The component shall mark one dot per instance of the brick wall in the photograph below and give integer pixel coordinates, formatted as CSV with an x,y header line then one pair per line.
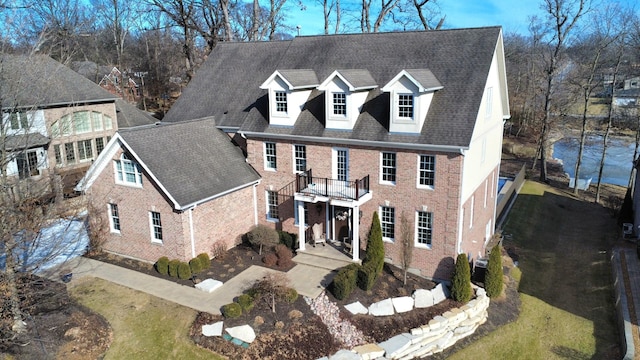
x,y
404,196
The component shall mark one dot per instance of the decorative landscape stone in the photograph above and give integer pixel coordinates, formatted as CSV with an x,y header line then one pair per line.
x,y
209,285
357,308
440,293
402,304
396,344
244,333
345,355
422,298
381,308
369,351
212,329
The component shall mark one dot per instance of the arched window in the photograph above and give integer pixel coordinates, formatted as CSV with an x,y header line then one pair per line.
x,y
128,171
81,122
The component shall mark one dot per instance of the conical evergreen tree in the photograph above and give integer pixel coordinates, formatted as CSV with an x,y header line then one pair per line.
x,y
494,278
461,281
375,246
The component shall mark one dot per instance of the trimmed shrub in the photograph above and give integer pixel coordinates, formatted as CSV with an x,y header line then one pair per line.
x,y
184,271
162,265
270,259
286,239
494,277
246,302
195,265
284,255
461,281
367,275
205,260
375,246
262,235
345,281
173,267
232,310
291,295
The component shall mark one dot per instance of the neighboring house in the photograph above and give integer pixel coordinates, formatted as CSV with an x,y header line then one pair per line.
x,y
121,85
55,120
404,124
172,190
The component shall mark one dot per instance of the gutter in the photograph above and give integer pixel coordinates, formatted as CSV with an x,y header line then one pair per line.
x,y
370,143
196,203
49,105
193,238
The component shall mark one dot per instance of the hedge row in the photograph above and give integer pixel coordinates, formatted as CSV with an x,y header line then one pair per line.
x,y
183,270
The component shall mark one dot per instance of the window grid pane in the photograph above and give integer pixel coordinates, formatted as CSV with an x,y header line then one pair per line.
x,y
405,106
427,170
272,204
157,225
387,222
388,167
85,151
339,104
341,165
300,153
99,145
115,217
270,155
58,154
70,153
425,226
281,101
32,161
81,122
97,121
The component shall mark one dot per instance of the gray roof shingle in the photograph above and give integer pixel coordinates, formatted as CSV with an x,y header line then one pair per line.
x,y
300,78
39,81
193,160
227,85
130,116
359,78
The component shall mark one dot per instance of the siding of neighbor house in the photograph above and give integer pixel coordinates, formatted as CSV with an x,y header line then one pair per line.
x,y
134,205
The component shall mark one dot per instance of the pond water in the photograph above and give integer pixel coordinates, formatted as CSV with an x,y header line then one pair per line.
x,y
618,161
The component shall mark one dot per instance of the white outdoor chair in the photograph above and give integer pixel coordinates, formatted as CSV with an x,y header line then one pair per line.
x,y
318,235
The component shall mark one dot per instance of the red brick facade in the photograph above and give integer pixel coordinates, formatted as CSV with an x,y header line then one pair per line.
x,y
443,200
218,220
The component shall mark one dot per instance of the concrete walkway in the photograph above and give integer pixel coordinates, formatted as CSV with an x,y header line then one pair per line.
x,y
307,278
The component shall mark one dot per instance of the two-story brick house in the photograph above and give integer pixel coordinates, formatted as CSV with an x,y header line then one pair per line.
x,y
408,125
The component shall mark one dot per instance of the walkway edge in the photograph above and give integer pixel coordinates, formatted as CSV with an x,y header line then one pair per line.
x,y
622,307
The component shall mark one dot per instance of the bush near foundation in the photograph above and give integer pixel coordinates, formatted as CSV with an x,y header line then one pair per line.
x,y
205,260
173,268
461,282
375,246
162,265
344,282
284,255
246,302
184,271
232,310
196,265
494,278
367,275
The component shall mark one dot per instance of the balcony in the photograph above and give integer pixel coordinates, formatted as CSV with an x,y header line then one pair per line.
x,y
307,184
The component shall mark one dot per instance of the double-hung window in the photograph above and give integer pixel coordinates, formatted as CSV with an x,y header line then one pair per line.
x,y
426,171
387,222
85,150
340,104
388,168
19,121
156,226
99,145
70,154
127,171
424,228
270,159
272,205
27,164
300,157
405,106
281,102
114,218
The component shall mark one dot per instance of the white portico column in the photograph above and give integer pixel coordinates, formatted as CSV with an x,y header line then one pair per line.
x,y
302,240
355,242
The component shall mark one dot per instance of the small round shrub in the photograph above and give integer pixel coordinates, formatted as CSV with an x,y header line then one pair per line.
x,y
258,320
184,271
162,265
286,239
295,314
246,302
270,259
367,275
344,282
232,310
173,267
291,295
284,255
196,265
279,325
205,260
461,280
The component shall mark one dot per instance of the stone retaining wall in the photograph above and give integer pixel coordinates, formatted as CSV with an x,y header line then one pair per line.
x,y
440,333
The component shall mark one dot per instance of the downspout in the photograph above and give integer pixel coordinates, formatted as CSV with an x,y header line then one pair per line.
x,y
460,208
255,204
193,238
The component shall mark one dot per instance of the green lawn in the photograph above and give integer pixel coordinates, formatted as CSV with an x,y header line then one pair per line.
x,y
567,298
144,327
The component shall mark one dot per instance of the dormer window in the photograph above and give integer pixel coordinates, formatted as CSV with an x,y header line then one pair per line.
x,y
340,104
405,106
281,101
128,172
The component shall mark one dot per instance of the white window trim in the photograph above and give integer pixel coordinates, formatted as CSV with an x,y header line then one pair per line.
x,y
381,173
420,186
275,103
112,228
488,103
396,107
267,206
295,158
152,228
297,216
267,167
332,113
417,243
138,173
334,163
384,238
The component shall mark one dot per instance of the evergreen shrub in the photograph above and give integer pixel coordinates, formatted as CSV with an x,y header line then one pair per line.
x,y
461,281
162,265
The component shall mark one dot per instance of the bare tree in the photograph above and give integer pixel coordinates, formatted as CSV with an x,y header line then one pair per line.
x,y
117,16
563,15
406,237
367,14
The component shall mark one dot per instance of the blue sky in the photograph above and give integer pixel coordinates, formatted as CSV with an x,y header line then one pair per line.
x,y
512,15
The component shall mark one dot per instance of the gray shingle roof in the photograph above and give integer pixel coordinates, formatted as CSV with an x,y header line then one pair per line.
x,y
300,78
359,78
193,160
425,77
130,116
25,141
39,81
227,85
